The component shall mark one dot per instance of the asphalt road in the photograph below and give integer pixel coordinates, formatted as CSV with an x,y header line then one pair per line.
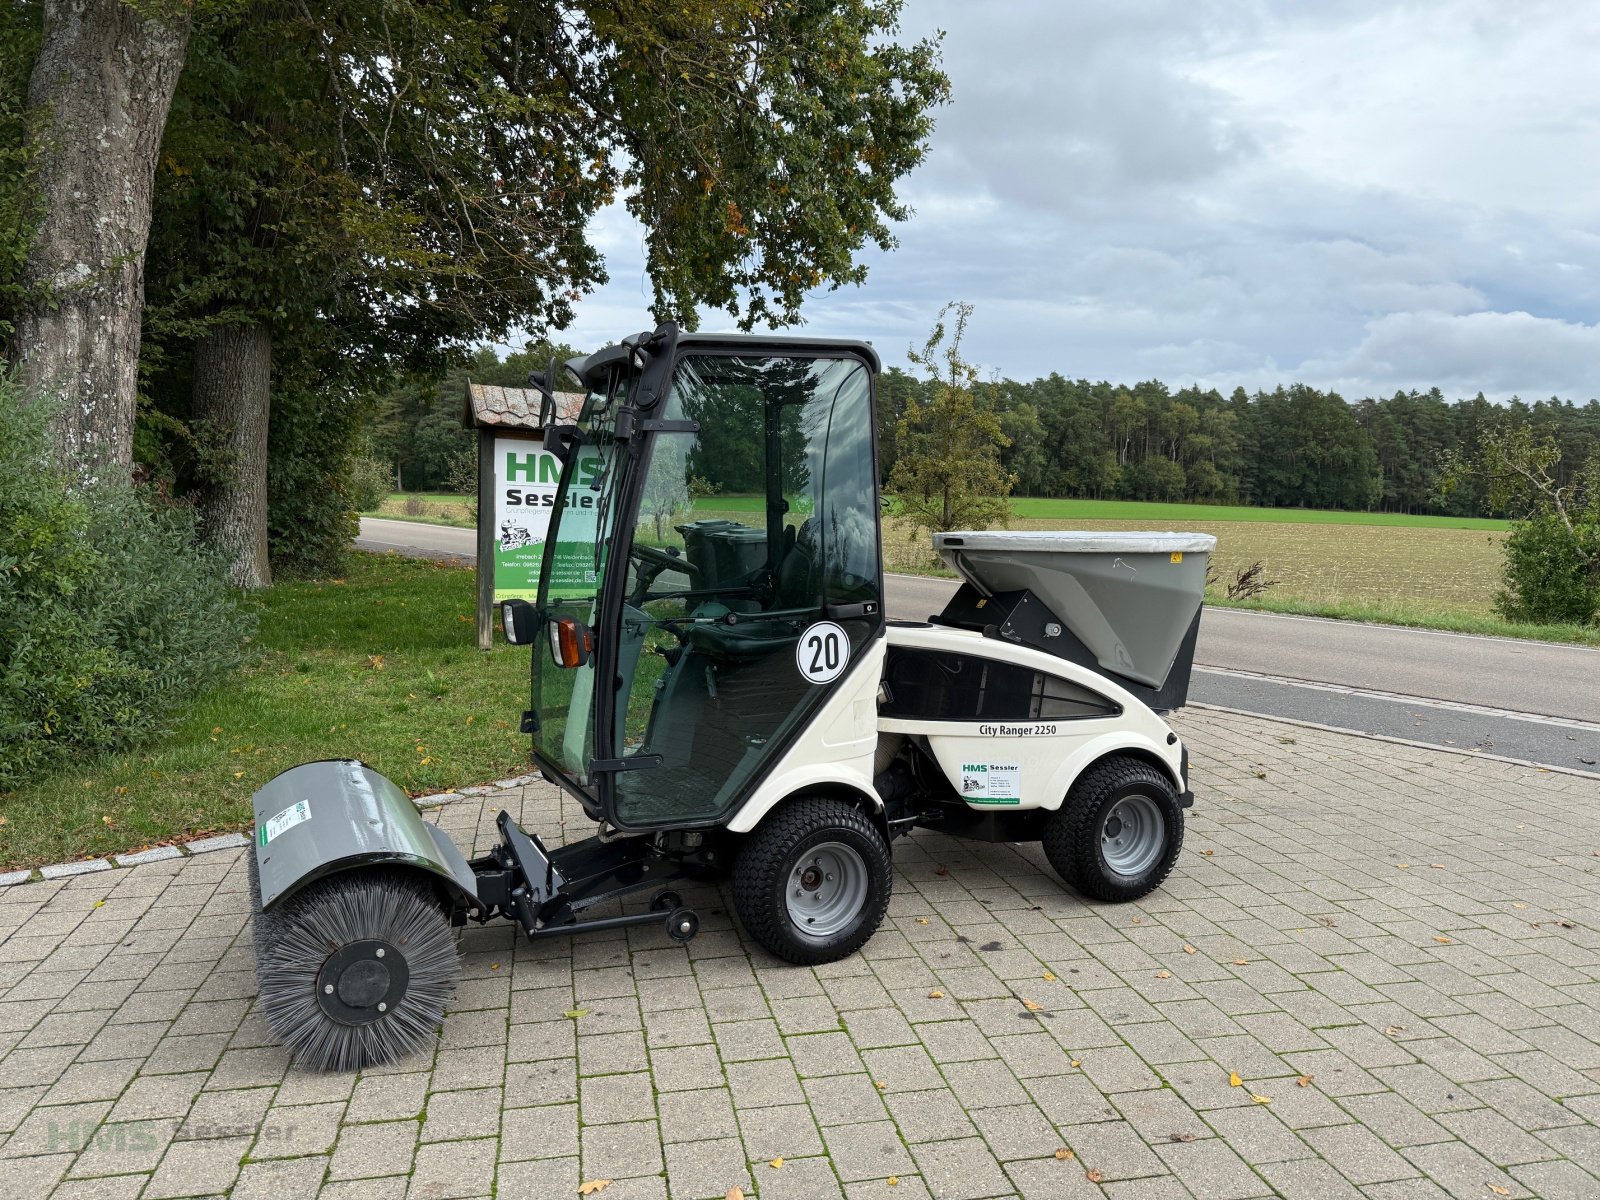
x,y
1529,700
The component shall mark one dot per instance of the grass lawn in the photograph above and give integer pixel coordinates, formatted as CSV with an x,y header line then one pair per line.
x,y
380,665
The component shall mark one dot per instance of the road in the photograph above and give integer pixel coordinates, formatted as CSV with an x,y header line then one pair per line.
x,y
1530,700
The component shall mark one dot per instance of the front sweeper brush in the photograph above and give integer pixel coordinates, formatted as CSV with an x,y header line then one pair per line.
x,y
715,682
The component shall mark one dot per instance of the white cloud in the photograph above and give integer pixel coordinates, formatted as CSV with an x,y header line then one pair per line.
x,y
1355,194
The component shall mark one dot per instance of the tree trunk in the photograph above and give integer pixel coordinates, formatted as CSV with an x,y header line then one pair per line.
x,y
232,403
103,83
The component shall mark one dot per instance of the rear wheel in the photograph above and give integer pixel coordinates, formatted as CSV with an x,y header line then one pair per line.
x,y
812,882
1118,833
356,970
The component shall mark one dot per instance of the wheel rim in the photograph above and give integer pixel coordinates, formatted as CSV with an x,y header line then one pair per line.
x,y
1132,835
826,889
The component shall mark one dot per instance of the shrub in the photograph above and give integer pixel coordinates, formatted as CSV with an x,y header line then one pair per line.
x,y
311,516
370,483
111,617
1551,572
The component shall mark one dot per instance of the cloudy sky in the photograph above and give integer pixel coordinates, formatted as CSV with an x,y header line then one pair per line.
x,y
1361,196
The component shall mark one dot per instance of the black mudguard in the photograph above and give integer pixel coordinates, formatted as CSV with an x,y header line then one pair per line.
x,y
321,818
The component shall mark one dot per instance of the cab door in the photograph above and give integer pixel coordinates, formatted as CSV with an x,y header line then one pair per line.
x,y
754,578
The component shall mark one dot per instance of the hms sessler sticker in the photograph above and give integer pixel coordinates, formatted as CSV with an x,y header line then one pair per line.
x,y
277,826
991,783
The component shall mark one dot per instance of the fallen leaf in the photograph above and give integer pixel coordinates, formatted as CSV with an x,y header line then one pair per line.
x,y
1566,924
1328,921
1234,1080
893,1181
1138,920
1063,1154
1076,1063
1208,853
593,1186
1188,949
1094,1176
1497,1189
1305,1080
1181,1137
238,774
494,966
1030,1005
879,1084
941,870
1262,1099
1050,976
1442,940
375,662
936,994
111,821
1394,1029
5,820
776,1163
922,920
1518,904
734,1193
1404,866
1437,866
575,1013
99,903
1163,974
1241,962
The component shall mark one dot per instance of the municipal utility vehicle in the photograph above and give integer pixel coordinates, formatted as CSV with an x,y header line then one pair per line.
x,y
715,681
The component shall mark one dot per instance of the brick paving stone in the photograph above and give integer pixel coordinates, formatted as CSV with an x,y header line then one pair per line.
x,y
797,1179
706,1169
1437,1066
197,1168
960,1169
364,1151
454,1169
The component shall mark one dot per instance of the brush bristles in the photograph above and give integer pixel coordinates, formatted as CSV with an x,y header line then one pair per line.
x,y
294,940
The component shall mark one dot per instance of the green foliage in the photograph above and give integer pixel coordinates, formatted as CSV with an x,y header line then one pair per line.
x,y
947,472
310,508
1552,572
110,617
19,212
1552,562
371,482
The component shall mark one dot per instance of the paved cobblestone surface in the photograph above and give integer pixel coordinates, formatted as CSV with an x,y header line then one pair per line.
x,y
1395,950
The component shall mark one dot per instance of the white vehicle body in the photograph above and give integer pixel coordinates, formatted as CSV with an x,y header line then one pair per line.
x,y
840,748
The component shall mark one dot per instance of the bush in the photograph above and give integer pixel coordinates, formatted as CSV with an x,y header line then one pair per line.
x,y
111,617
311,515
1551,573
370,483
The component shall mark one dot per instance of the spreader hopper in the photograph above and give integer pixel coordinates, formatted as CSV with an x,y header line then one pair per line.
x,y
1127,604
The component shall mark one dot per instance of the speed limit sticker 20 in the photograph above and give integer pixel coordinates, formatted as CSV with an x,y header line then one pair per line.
x,y
823,652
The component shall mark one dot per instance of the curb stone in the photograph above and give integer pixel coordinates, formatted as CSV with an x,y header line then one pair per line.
x,y
229,841
224,841
1399,741
68,869
154,854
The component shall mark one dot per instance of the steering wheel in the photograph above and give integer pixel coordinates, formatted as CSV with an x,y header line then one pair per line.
x,y
664,561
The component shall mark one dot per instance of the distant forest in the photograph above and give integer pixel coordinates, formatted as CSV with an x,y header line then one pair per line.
x,y
1293,447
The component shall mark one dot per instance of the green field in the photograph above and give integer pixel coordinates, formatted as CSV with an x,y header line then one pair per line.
x,y
381,665
430,508
1150,513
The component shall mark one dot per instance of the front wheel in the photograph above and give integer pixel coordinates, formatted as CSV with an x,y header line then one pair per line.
x,y
812,883
1117,835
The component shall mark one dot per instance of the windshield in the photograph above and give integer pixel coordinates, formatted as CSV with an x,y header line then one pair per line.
x,y
576,557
